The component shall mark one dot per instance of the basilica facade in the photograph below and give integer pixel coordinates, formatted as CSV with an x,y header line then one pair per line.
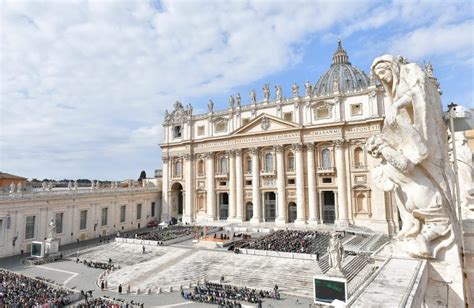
x,y
296,159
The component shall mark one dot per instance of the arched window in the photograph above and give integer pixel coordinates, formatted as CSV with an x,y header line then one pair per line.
x,y
358,157
326,161
177,168
249,164
269,162
360,202
200,167
291,162
223,165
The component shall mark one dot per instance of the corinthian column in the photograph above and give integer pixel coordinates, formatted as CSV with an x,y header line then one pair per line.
x,y
300,209
189,196
342,200
312,203
210,187
281,193
239,179
165,204
257,216
231,185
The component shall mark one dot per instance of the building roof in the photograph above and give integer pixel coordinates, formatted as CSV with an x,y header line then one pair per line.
x,y
341,75
4,175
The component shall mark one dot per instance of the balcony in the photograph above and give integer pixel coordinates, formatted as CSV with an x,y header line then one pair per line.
x,y
326,170
359,167
267,173
221,175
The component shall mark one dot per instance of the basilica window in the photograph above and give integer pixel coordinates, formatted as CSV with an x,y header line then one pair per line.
x,y
356,109
288,116
249,165
221,127
200,167
326,158
268,162
358,157
123,210
223,165
291,162
200,131
59,222
30,227
360,202
105,212
177,133
83,220
322,113
177,168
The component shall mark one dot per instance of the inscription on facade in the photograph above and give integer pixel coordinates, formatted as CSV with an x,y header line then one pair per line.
x,y
247,141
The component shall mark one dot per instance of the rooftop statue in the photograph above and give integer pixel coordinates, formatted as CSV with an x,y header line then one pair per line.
x,y
12,188
307,87
51,228
238,98
253,96
266,92
231,102
278,93
44,185
210,106
414,162
296,90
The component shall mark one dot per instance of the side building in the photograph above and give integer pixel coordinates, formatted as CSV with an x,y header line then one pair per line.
x,y
79,214
299,159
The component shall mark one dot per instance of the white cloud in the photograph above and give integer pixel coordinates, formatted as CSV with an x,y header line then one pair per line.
x,y
84,84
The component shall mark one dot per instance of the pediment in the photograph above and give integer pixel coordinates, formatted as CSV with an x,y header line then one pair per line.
x,y
265,123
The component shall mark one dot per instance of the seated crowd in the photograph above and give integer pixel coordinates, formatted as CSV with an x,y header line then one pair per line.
x,y
311,242
22,291
105,302
227,295
166,234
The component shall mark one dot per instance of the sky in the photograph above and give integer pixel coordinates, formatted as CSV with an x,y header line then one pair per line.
x,y
85,84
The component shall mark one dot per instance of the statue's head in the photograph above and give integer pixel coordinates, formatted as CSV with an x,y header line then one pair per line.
x,y
386,68
383,72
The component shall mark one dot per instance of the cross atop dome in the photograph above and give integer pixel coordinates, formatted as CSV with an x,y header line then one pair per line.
x,y
340,55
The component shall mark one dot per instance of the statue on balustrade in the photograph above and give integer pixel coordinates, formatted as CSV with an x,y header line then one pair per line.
x,y
266,92
51,228
414,162
336,252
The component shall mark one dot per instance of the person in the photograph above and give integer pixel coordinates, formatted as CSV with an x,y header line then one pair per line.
x,y
110,260
143,248
120,288
102,285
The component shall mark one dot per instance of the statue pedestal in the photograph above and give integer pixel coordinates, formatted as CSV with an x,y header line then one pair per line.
x,y
335,273
51,246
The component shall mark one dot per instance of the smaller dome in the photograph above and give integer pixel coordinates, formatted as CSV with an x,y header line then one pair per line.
x,y
341,75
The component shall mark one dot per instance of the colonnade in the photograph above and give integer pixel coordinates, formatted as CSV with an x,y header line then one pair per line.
x,y
305,194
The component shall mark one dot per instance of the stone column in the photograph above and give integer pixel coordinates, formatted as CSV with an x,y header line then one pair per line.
x,y
166,210
232,198
342,200
312,202
239,179
189,188
257,213
320,194
281,191
300,201
210,187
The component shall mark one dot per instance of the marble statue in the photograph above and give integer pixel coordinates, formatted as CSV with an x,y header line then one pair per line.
x,y
429,69
231,102
307,87
12,188
50,186
238,98
97,185
44,185
92,184
210,106
278,93
167,116
414,161
190,110
266,92
296,90
51,228
335,252
69,185
465,168
19,187
253,96
75,185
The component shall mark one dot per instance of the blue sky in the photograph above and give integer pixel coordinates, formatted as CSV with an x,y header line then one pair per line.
x,y
84,84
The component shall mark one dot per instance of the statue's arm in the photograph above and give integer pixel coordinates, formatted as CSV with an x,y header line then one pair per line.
x,y
396,159
404,101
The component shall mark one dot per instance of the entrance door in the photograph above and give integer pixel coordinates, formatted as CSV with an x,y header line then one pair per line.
x,y
291,212
329,212
270,206
248,211
223,205
176,200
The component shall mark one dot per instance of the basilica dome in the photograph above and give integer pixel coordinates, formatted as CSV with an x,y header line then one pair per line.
x,y
341,76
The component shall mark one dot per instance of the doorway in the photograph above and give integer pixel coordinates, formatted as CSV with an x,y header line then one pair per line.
x,y
329,210
270,206
291,212
248,211
176,200
223,205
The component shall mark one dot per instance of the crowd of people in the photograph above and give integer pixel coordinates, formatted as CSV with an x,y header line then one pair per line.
x,y
166,234
105,302
93,264
311,242
22,291
227,295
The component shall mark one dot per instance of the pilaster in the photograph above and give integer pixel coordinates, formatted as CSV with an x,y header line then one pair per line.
x,y
281,193
257,216
300,198
342,199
